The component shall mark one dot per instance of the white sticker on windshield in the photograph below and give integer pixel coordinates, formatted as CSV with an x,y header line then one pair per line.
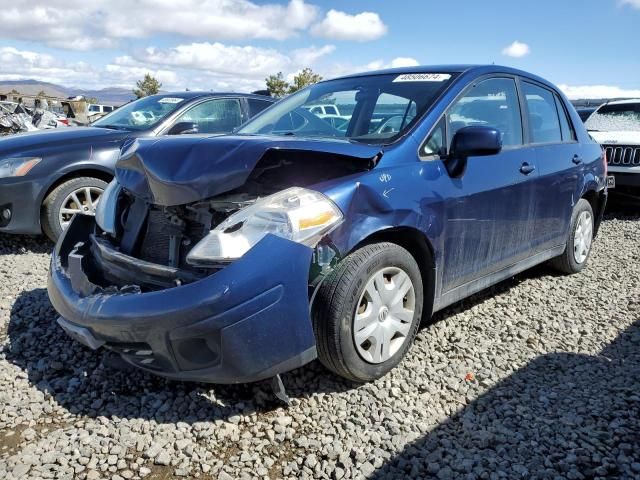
x,y
170,100
422,77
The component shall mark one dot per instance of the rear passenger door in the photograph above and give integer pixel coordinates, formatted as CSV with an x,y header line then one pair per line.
x,y
488,216
557,154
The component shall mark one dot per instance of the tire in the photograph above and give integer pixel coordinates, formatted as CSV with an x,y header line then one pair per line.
x,y
52,205
345,293
567,262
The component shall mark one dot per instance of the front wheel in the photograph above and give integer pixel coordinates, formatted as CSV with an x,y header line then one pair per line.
x,y
579,240
75,196
367,312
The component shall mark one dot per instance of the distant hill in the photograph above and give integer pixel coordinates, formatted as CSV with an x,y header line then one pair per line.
x,y
109,95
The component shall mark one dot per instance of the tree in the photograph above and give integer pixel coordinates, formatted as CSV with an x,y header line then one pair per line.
x,y
42,94
277,85
91,100
147,86
304,78
14,91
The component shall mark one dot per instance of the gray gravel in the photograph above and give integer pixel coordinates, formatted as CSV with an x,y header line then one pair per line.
x,y
538,378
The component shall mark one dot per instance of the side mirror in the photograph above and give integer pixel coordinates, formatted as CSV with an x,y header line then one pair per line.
x,y
182,128
472,142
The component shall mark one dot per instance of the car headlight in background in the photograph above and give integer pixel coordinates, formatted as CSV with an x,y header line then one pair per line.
x,y
106,209
297,214
17,167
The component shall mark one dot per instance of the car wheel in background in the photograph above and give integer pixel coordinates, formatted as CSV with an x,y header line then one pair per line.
x,y
77,195
367,312
579,240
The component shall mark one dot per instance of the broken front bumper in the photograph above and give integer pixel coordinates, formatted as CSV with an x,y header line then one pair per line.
x,y
246,322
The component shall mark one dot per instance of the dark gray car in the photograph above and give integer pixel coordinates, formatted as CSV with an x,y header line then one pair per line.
x,y
47,177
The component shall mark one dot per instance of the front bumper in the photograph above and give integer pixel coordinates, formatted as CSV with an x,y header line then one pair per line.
x,y
244,323
20,196
626,177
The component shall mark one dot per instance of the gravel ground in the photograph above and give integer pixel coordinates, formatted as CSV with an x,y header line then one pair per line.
x,y
537,378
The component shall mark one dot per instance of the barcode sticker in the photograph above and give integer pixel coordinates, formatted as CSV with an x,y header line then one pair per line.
x,y
422,77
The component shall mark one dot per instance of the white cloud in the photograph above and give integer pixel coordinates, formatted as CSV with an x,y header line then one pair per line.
x,y
631,3
82,25
598,91
198,66
516,50
20,64
224,64
340,69
361,27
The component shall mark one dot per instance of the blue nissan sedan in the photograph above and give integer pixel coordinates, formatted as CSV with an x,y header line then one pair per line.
x,y
237,258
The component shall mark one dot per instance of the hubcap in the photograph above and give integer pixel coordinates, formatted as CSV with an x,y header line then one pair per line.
x,y
384,315
582,237
83,200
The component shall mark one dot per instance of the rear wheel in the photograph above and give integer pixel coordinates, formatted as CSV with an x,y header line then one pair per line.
x,y
76,196
367,312
579,240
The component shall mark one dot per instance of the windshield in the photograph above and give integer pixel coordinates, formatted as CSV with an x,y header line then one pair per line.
x,y
142,114
616,117
376,109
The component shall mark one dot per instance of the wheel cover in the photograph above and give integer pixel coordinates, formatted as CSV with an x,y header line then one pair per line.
x,y
582,237
384,315
83,200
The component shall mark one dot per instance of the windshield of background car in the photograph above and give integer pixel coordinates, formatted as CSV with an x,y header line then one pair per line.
x,y
376,109
617,117
141,114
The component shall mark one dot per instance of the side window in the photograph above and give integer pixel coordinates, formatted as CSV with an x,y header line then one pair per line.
x,y
568,134
256,106
221,115
491,103
544,125
317,110
330,110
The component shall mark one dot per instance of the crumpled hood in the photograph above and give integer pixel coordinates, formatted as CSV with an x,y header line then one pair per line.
x,y
180,170
63,136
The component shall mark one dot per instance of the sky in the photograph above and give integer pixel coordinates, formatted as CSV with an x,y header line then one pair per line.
x,y
589,48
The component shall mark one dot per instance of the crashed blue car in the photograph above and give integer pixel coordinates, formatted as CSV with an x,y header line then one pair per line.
x,y
237,258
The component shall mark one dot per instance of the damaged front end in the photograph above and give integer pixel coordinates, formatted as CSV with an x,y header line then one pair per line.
x,y
196,281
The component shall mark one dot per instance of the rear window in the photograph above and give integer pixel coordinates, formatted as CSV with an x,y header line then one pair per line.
x,y
617,117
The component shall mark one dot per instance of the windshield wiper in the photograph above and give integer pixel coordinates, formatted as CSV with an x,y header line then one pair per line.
x,y
112,127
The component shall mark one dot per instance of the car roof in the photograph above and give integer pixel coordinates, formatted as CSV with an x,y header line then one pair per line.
x,y
198,94
623,102
475,70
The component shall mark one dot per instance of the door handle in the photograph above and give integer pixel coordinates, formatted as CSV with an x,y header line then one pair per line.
x,y
526,169
577,159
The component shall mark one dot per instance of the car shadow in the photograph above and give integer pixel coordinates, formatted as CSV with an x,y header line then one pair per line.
x,y
86,383
80,379
563,415
19,244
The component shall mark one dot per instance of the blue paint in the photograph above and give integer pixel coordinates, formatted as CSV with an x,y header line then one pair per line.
x,y
505,212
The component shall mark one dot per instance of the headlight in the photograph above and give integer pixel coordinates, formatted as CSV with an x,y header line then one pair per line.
x,y
297,214
106,209
17,167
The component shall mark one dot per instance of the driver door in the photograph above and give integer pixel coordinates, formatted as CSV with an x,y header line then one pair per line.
x,y
489,213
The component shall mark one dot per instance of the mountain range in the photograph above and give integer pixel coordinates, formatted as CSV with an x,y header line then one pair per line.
x,y
108,95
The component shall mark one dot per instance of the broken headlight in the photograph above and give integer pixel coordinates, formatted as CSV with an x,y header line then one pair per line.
x,y
297,214
106,209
